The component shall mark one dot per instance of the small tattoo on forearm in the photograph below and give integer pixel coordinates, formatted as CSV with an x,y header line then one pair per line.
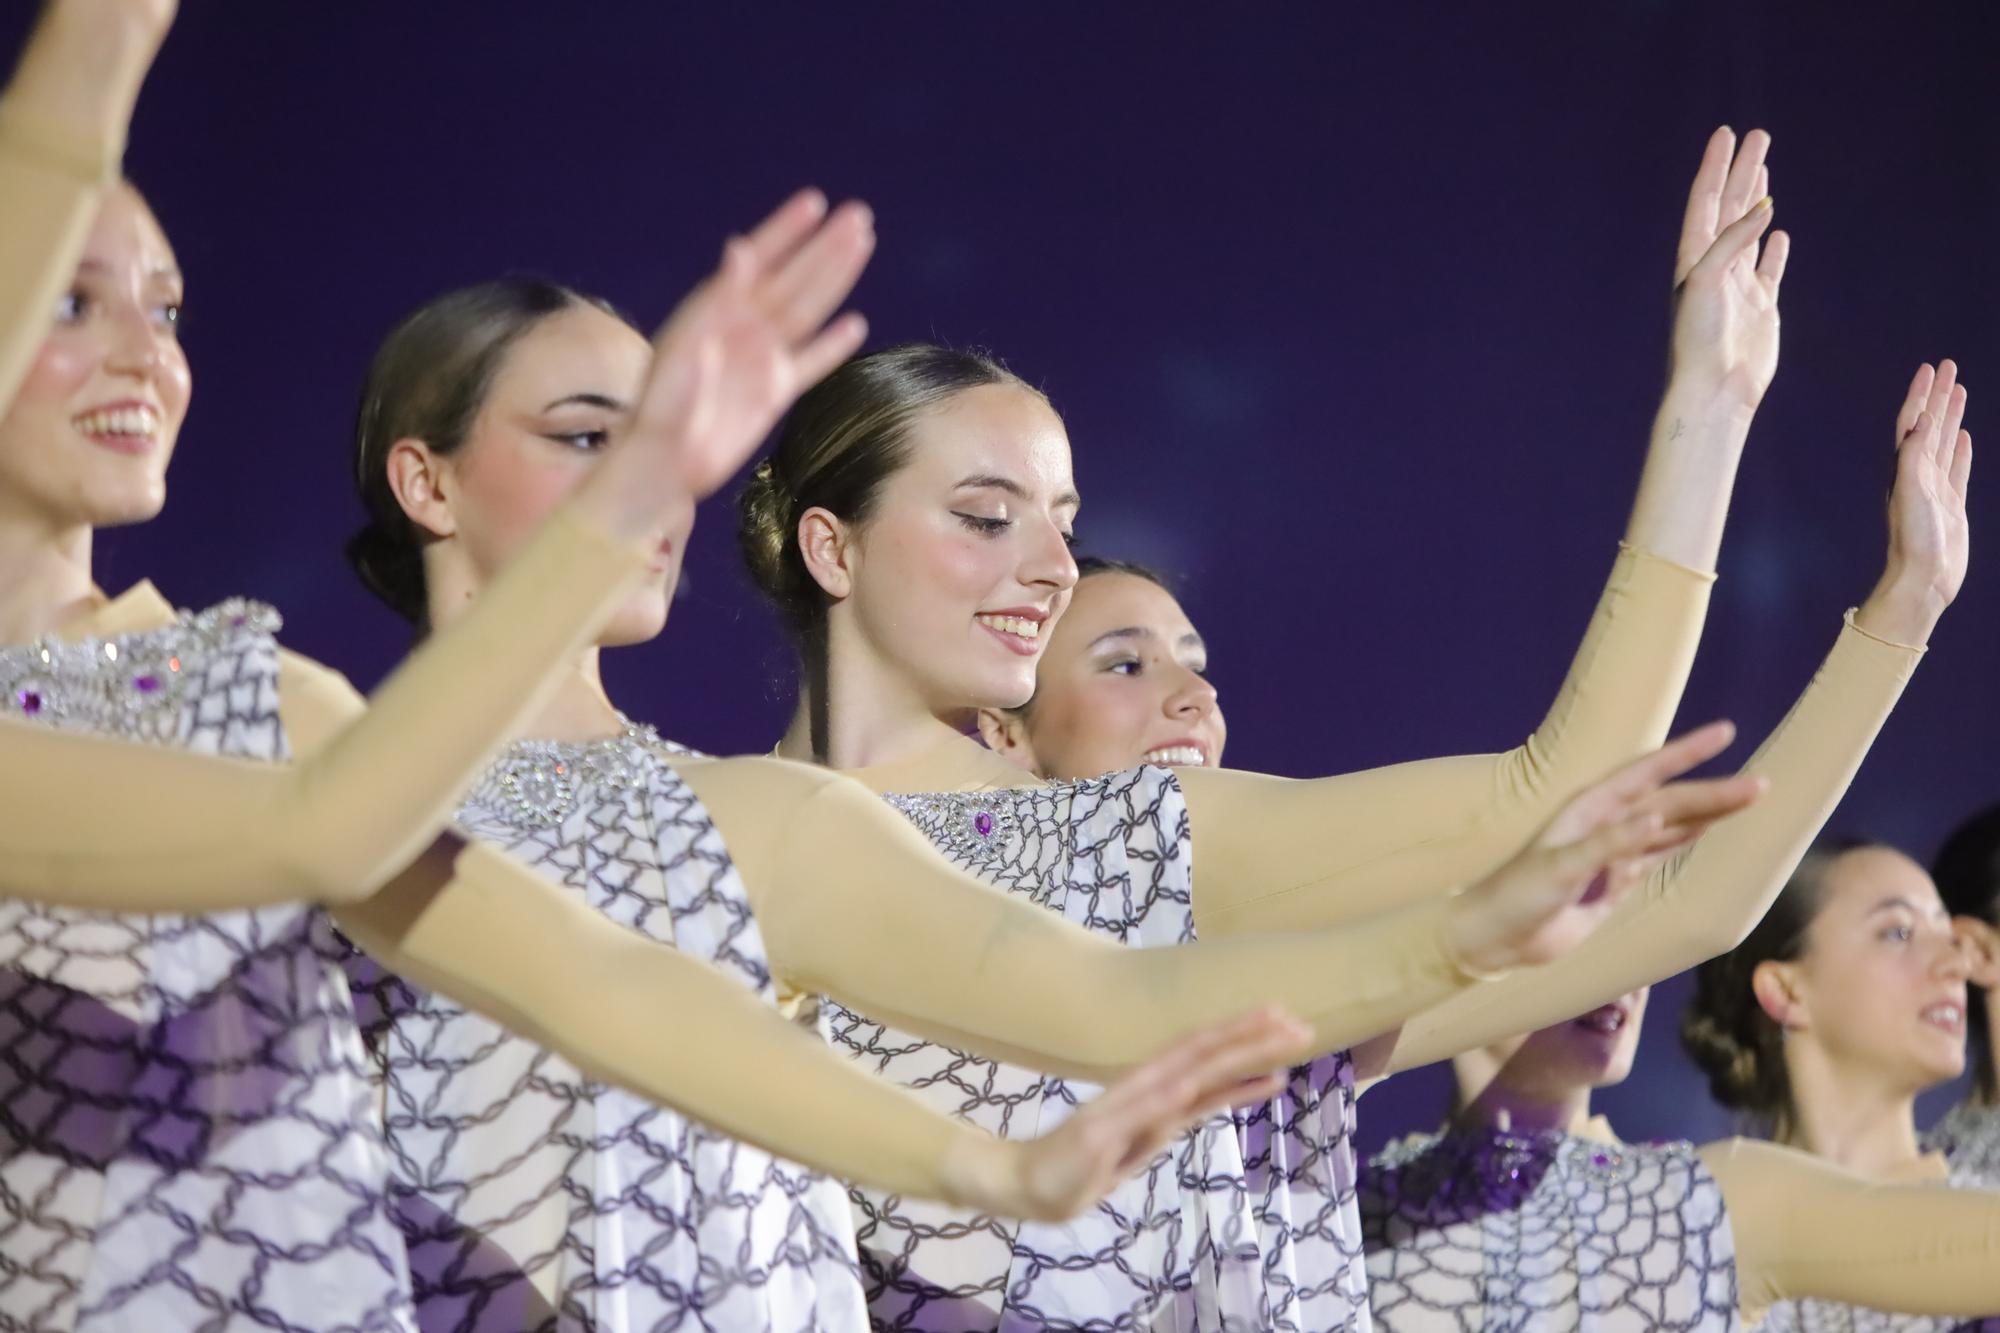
x,y
1675,431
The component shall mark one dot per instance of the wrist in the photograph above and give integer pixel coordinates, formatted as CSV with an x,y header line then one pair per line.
x,y
1707,406
1467,940
982,1172
1903,608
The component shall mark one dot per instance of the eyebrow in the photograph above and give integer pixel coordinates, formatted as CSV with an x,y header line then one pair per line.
x,y
587,400
99,266
1894,901
988,481
1187,640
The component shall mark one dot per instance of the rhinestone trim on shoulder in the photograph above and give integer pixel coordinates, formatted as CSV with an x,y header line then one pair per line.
x,y
127,685
536,782
974,826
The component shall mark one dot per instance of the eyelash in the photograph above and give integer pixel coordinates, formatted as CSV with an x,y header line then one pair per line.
x,y
1898,934
576,439
75,305
989,527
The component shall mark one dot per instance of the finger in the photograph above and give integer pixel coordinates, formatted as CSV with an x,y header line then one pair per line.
x,y
1704,800
1941,387
1701,220
810,285
1582,861
1671,760
1771,268
1961,466
787,227
1913,402
1948,432
835,343
1740,192
1737,239
1191,1052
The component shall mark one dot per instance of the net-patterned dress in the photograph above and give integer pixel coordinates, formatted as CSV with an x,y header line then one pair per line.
x,y
1480,1231
534,1198
190,1137
1246,1223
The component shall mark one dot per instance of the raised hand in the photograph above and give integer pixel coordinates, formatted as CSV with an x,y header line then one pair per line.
x,y
84,62
1929,536
733,356
1073,1166
1560,888
1725,335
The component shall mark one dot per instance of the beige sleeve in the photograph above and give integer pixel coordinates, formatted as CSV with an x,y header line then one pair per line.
x,y
1279,854
1808,1229
854,902
1706,899
52,183
496,936
94,822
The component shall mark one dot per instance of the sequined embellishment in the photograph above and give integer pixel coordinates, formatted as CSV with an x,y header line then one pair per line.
x,y
973,826
128,685
536,782
1499,1170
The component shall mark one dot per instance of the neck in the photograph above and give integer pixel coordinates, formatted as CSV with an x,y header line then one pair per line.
x,y
873,713
579,709
46,578
1518,1106
1850,1115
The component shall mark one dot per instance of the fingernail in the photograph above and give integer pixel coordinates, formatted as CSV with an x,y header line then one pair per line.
x,y
1762,204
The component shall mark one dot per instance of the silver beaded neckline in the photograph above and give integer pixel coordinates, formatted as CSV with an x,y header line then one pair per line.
x,y
127,685
537,782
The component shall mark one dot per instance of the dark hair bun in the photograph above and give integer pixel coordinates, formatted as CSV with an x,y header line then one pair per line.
x,y
392,568
763,532
1720,1031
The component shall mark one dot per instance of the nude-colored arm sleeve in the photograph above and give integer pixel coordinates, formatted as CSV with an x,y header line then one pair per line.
x,y
1808,1229
855,903
1707,898
1281,854
101,823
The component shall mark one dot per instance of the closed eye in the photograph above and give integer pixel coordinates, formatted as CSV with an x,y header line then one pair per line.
x,y
983,525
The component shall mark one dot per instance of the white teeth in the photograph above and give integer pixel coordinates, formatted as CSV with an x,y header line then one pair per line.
x,y
138,421
1944,1015
1175,756
1606,1020
1015,625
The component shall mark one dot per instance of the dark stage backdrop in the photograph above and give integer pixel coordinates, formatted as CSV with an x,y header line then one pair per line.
x,y
1356,313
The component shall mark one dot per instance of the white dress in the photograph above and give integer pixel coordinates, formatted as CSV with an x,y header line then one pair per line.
x,y
1475,1232
534,1198
190,1139
1245,1223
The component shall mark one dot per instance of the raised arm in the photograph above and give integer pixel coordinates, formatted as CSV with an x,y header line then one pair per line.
x,y
1275,854
470,923
100,823
1806,1229
63,120
854,902
1705,900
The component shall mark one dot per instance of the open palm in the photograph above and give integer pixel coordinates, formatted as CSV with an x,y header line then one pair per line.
x,y
1725,290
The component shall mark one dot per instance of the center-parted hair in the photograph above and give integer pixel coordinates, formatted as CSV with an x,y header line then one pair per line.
x,y
428,381
1724,1030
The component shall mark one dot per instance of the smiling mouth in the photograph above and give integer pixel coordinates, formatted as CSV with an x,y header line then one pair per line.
x,y
1019,633
131,429
1607,1020
1946,1017
1177,756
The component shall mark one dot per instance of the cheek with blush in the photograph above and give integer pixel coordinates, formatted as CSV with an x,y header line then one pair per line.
x,y
506,489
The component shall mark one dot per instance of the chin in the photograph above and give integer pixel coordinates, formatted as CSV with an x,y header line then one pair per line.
x,y
639,620
123,506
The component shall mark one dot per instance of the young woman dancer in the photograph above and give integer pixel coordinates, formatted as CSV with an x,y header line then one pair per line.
x,y
911,527
188,1138
530,1193
1845,1003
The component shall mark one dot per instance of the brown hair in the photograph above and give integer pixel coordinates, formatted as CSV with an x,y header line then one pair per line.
x,y
1967,872
428,381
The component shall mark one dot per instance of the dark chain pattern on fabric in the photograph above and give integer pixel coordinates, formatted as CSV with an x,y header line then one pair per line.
x,y
1245,1223
1478,1232
191,1141
534,1198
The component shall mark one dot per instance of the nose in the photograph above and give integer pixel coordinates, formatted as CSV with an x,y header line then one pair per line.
x,y
1193,698
138,347
1952,958
1051,563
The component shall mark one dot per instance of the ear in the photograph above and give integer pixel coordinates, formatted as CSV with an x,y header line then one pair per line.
x,y
1007,736
1981,946
417,480
1777,990
825,544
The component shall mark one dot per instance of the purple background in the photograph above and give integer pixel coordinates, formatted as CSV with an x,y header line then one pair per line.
x,y
1357,319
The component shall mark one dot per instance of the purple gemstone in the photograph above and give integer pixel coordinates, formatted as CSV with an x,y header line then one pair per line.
x,y
982,824
1600,1159
146,684
31,702
236,622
